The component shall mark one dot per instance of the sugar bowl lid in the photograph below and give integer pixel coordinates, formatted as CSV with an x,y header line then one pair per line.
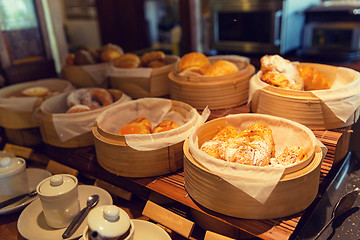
x,y
109,221
56,185
11,165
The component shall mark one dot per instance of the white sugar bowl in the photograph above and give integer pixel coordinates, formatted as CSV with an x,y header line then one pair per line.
x,y
13,177
59,199
109,222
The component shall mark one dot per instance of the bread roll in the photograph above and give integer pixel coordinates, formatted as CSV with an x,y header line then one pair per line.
x,y
152,56
140,125
221,68
35,91
165,126
313,79
127,60
194,62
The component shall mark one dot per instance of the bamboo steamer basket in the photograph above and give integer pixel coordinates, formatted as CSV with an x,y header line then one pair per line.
x,y
116,156
57,106
137,85
81,76
294,192
18,120
302,106
214,92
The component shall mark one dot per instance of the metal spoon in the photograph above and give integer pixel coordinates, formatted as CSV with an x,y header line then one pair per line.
x,y
79,218
342,206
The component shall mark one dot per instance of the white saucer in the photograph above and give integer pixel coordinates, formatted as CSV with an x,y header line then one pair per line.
x,y
32,225
34,176
149,231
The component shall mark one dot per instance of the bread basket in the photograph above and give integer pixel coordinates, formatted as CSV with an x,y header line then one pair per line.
x,y
253,192
144,155
214,92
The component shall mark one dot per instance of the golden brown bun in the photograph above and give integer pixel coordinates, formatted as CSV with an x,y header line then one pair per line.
x,y
108,55
111,46
194,62
165,126
140,125
83,57
152,56
127,60
313,79
35,91
221,68
156,64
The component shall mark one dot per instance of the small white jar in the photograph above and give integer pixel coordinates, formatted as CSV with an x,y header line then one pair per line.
x,y
13,177
59,199
109,222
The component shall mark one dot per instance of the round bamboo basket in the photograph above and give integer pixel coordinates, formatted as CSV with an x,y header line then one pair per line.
x,y
302,106
293,193
215,92
114,155
57,106
137,86
20,123
80,78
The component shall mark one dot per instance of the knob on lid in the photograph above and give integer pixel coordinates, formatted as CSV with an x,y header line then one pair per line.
x,y
109,221
11,165
57,185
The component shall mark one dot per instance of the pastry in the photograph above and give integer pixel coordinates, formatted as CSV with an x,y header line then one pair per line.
x,y
152,56
78,108
221,68
92,97
165,126
127,60
313,79
291,155
193,62
37,91
140,125
280,72
109,55
156,64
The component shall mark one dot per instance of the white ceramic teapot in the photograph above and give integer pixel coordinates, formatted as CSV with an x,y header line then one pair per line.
x,y
109,222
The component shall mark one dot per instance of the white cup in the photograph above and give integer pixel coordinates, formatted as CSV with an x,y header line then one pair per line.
x,y
59,199
109,222
13,177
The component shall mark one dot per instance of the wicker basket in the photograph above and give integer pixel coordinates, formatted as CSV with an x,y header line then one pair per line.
x,y
296,189
143,82
117,155
215,92
52,115
17,114
306,107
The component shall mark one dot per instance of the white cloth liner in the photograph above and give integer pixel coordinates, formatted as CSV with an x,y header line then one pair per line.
x,y
67,125
155,110
258,182
98,72
343,98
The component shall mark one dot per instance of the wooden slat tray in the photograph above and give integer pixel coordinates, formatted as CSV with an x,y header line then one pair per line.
x,y
172,185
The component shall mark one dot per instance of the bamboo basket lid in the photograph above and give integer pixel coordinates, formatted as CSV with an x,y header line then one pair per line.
x,y
214,92
77,126
318,110
17,111
294,192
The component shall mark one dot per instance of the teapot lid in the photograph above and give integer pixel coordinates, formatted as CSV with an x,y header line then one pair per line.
x,y
11,165
57,184
109,221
